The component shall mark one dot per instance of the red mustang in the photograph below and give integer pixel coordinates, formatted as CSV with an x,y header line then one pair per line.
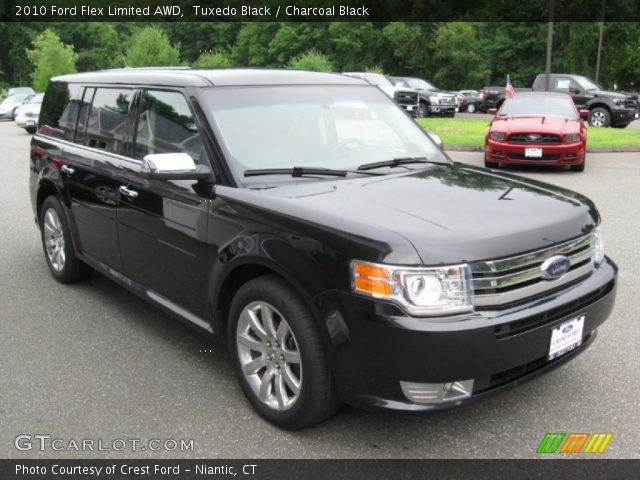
x,y
539,128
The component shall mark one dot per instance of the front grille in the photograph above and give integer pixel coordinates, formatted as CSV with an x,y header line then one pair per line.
x,y
447,101
407,98
534,138
510,280
545,156
631,104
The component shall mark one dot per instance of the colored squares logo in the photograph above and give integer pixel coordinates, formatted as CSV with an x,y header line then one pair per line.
x,y
574,442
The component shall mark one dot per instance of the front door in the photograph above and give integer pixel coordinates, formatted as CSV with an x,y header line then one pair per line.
x,y
162,224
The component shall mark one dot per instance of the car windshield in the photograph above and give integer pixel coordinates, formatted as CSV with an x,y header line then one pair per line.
x,y
36,98
419,84
335,127
539,106
15,99
377,79
587,84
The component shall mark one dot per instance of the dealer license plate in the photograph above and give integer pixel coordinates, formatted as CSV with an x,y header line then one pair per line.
x,y
533,152
566,337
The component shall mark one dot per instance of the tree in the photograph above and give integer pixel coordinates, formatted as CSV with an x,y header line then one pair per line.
x,y
252,44
311,60
353,45
150,47
98,44
411,48
50,57
292,39
214,59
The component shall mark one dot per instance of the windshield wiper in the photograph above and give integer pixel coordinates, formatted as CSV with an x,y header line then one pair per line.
x,y
397,162
301,171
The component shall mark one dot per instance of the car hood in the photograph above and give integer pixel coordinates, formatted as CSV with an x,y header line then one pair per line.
x,y
609,94
28,109
449,214
536,124
392,89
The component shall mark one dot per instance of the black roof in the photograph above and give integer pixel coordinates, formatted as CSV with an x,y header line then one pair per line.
x,y
184,76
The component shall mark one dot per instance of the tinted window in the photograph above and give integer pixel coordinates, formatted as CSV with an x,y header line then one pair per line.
x,y
85,107
106,125
166,124
539,106
60,110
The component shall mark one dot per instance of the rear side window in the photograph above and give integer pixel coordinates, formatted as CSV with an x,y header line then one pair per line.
x,y
107,118
60,110
166,124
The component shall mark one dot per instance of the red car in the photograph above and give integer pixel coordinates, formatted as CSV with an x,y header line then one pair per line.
x,y
540,128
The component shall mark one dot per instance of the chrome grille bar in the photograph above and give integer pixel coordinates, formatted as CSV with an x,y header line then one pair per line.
x,y
503,281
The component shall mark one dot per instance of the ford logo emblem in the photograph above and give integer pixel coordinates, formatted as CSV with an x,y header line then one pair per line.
x,y
567,329
555,267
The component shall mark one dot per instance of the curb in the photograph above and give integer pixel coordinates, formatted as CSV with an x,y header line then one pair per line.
x,y
476,148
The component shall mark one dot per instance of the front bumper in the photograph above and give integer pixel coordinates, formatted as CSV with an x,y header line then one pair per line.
x,y
443,109
623,116
552,154
24,122
376,346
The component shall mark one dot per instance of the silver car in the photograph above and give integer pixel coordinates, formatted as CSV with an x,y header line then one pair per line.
x,y
10,104
26,115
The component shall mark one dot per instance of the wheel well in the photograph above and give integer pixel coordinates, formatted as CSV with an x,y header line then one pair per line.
x,y
44,191
599,105
232,283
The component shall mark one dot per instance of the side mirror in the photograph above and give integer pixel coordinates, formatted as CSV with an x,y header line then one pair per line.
x,y
492,111
574,90
584,114
173,166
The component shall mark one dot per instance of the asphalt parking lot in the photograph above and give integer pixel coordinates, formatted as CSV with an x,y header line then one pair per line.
x,y
93,361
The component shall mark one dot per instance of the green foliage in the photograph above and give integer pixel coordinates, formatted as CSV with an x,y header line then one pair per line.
x,y
252,44
311,60
410,47
102,47
215,59
151,47
353,45
460,55
50,57
292,39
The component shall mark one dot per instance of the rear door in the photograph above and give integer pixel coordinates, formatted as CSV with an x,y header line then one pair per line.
x,y
91,166
162,224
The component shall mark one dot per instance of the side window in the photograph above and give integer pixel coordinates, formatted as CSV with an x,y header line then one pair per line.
x,y
562,84
85,106
166,124
106,123
59,110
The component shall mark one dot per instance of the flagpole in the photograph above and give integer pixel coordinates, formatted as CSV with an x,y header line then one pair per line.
x,y
547,70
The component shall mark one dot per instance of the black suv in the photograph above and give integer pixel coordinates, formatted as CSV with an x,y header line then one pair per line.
x,y
306,218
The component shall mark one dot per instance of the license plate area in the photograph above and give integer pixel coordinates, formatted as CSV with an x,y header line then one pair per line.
x,y
533,153
566,337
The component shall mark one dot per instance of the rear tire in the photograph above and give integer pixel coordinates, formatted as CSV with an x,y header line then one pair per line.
x,y
278,355
58,245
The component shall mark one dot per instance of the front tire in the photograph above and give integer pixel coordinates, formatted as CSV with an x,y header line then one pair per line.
x,y
57,244
599,117
278,355
31,130
579,167
490,164
423,110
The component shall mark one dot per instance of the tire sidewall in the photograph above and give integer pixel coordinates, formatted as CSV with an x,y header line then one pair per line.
x,y
52,203
607,121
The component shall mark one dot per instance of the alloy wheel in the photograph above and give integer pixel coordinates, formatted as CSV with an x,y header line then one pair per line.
x,y
54,239
598,119
269,355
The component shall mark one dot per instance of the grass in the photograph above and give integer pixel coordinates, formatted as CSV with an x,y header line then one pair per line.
x,y
470,132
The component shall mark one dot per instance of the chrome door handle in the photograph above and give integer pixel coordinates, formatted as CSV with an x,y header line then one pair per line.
x,y
67,169
128,193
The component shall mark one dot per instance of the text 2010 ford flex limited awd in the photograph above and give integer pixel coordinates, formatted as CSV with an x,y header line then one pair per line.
x,y
310,221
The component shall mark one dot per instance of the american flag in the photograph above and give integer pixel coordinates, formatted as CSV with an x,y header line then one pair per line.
x,y
509,91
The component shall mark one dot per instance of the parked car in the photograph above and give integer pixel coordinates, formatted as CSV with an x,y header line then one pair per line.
x,y
312,223
18,90
406,98
470,101
541,128
26,115
10,104
606,108
433,101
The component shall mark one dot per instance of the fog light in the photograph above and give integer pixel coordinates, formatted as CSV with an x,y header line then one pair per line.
x,y
433,393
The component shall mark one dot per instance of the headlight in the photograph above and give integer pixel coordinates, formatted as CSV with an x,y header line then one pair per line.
x,y
618,101
573,137
434,100
496,136
420,291
598,247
